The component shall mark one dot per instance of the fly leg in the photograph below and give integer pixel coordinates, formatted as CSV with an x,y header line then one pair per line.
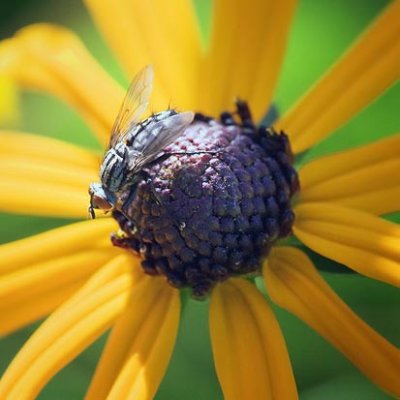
x,y
185,153
213,152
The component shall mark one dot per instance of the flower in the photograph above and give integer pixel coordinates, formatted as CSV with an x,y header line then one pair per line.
x,y
88,286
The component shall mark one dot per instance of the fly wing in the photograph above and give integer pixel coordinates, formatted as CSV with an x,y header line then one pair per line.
x,y
134,105
161,134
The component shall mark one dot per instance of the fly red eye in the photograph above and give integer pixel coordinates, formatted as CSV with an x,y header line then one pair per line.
x,y
100,203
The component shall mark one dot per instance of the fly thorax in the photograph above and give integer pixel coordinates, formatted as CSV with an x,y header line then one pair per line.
x,y
113,168
148,129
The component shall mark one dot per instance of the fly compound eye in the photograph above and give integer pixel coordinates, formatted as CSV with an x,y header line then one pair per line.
x,y
100,202
99,199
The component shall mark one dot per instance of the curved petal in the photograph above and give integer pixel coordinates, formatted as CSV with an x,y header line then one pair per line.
x,y
369,67
249,350
140,345
377,202
361,241
55,152
117,267
247,49
68,331
325,168
55,243
14,167
39,306
41,282
377,176
295,285
163,33
25,196
45,176
348,177
59,64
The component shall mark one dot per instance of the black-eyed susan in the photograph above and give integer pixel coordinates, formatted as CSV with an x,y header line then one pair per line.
x,y
87,286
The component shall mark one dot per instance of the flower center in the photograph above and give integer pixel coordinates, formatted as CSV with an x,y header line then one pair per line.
x,y
213,205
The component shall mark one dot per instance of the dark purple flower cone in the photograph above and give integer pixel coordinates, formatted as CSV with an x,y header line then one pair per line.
x,y
214,207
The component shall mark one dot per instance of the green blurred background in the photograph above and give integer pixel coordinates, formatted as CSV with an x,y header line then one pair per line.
x,y
321,31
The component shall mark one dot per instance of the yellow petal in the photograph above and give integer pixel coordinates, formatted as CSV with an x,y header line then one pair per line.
x,y
35,283
67,332
140,345
8,100
355,173
377,202
127,263
361,241
247,48
368,178
369,67
51,58
23,196
249,350
31,292
13,168
55,174
158,32
27,312
54,243
328,167
24,283
294,284
47,150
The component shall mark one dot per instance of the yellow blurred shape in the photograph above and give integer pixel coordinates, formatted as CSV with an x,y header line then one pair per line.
x,y
8,101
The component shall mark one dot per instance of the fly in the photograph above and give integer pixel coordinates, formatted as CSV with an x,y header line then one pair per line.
x,y
134,144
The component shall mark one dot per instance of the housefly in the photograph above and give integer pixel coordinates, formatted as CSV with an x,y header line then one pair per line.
x,y
134,144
